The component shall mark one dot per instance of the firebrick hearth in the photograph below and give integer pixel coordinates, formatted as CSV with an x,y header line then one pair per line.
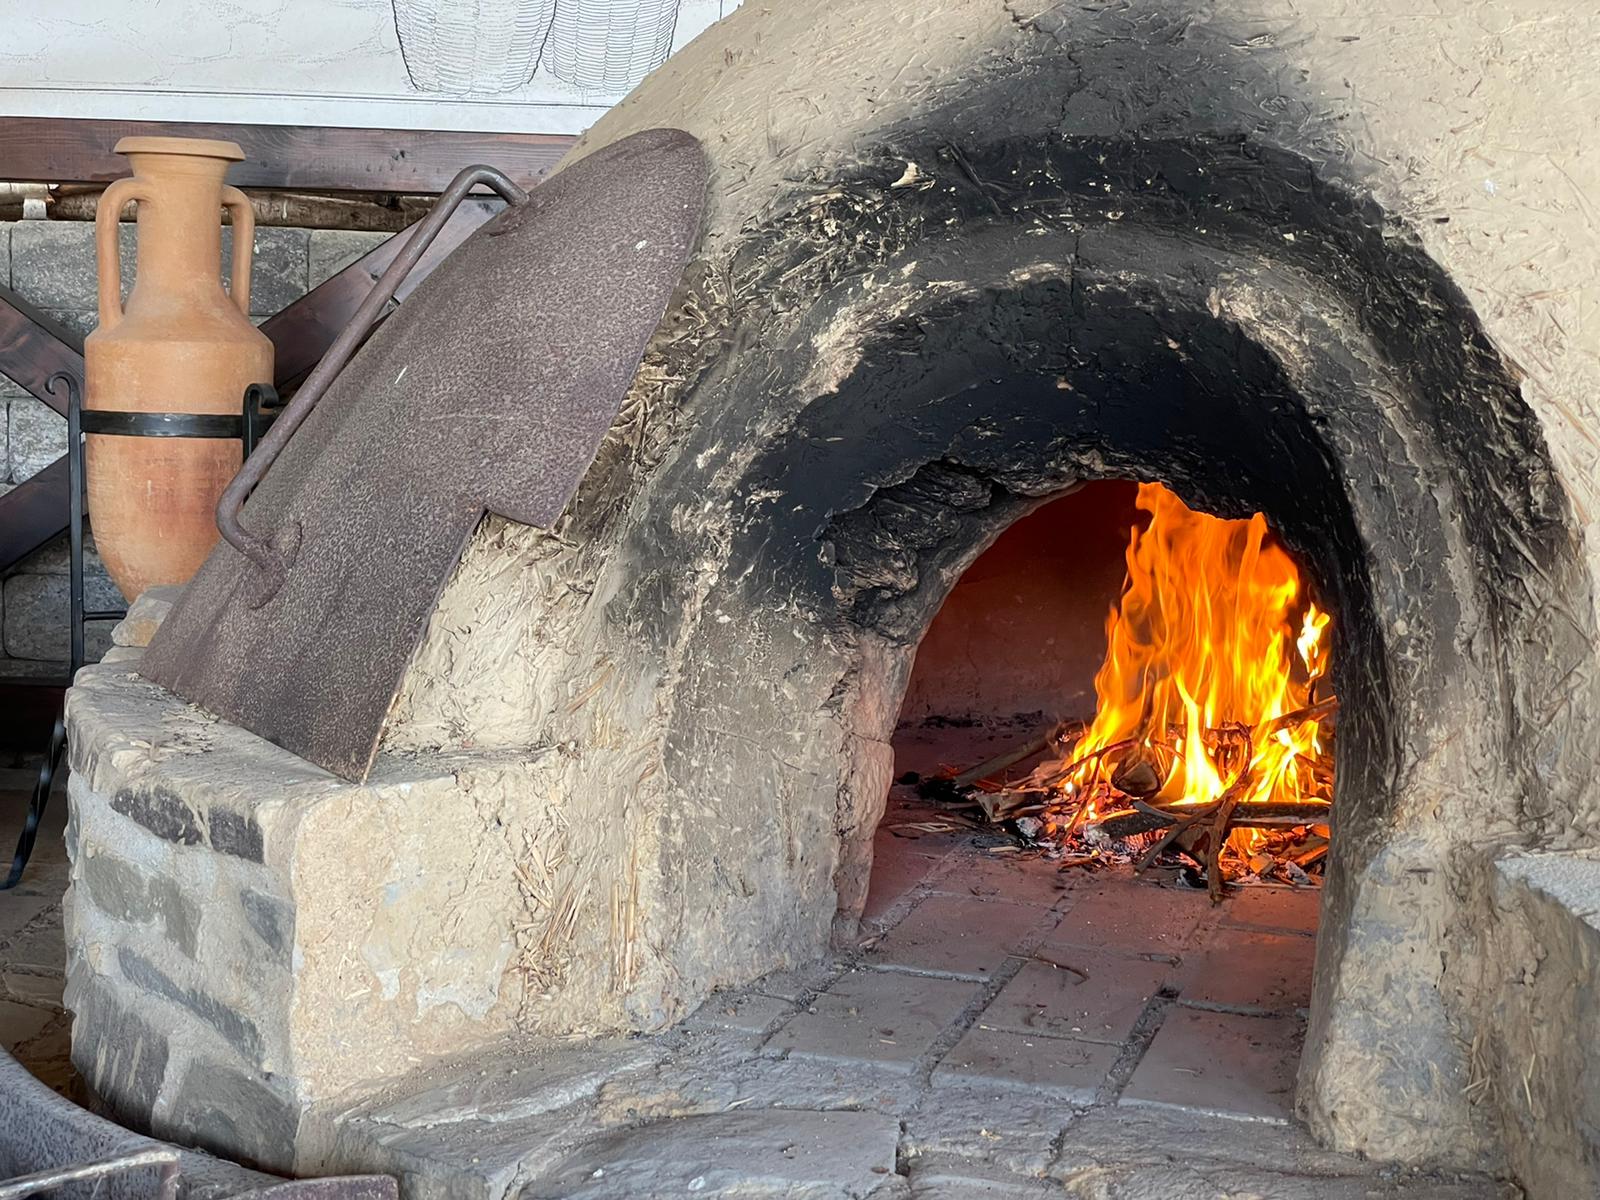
x,y
1092,373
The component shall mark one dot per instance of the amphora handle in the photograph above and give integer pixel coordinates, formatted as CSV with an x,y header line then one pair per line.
x,y
107,254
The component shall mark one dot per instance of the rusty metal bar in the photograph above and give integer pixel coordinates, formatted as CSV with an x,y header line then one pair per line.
x,y
40,1181
274,561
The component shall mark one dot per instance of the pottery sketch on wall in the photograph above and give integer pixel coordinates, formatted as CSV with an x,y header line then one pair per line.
x,y
609,46
467,46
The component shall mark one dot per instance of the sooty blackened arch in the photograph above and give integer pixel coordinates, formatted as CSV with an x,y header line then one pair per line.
x,y
918,357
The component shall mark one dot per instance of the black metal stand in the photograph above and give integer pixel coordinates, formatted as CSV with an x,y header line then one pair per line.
x,y
258,412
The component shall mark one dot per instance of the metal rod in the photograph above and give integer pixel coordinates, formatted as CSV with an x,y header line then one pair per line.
x,y
75,509
39,1181
273,562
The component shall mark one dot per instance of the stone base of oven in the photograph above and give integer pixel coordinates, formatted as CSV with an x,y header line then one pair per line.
x,y
1545,951
248,935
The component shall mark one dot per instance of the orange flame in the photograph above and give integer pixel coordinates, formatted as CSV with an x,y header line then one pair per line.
x,y
1210,643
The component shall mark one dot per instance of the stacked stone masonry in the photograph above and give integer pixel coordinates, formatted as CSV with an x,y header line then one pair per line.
x,y
50,265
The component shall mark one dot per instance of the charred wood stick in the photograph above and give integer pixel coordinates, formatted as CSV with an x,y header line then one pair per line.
x,y
1219,823
1088,758
1311,712
1010,758
1145,818
1172,835
1001,806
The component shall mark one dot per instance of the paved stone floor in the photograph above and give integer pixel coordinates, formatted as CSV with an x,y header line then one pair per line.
x,y
1003,1029
33,1026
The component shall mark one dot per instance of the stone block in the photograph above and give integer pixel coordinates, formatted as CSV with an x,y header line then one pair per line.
x,y
55,558
1221,1064
882,1018
332,250
73,324
233,1115
1254,972
1130,918
955,936
278,271
1288,910
121,1057
37,609
270,918
237,1030
1091,996
395,963
1072,1070
750,1153
53,263
145,616
123,890
53,266
36,437
170,817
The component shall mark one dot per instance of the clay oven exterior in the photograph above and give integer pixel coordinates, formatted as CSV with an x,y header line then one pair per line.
x,y
959,255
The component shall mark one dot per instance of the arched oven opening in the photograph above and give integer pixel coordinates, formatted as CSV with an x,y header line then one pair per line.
x,y
1115,757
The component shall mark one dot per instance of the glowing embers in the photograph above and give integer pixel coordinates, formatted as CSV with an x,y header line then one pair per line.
x,y
1212,735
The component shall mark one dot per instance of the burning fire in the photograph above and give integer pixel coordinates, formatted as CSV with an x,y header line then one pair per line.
x,y
1213,687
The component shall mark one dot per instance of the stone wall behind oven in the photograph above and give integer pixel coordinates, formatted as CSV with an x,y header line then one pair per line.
x,y
50,265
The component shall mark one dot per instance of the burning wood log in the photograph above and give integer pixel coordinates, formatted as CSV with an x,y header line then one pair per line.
x,y
1009,758
1146,818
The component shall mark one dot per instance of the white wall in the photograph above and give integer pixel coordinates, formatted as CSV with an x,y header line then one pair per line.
x,y
281,62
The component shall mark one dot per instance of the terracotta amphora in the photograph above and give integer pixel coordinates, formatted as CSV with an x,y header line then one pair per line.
x,y
181,345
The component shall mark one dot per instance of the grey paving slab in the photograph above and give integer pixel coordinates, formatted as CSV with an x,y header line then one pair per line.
x,y
1084,994
1291,909
1248,969
885,1018
942,1181
798,982
746,1011
1131,918
1073,1070
774,1153
1111,1152
987,1129
21,1023
1222,1064
962,936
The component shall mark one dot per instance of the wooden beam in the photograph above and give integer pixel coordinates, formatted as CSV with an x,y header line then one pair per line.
x,y
306,157
33,513
33,348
